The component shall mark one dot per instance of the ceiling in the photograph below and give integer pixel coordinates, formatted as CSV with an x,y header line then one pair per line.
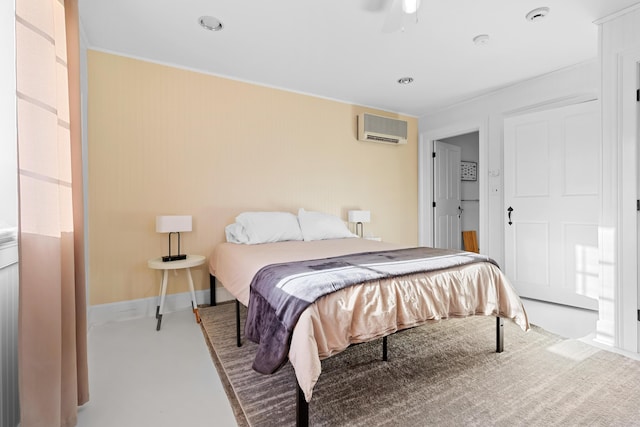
x,y
337,48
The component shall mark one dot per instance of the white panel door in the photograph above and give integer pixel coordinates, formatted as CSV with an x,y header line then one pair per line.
x,y
552,202
446,189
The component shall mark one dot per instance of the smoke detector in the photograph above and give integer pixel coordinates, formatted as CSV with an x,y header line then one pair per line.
x,y
537,14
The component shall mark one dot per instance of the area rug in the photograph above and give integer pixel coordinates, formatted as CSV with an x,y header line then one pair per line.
x,y
439,374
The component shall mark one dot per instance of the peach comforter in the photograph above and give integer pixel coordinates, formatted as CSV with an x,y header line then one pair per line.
x,y
368,311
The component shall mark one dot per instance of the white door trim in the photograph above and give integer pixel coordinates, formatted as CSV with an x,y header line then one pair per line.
x,y
626,294
425,176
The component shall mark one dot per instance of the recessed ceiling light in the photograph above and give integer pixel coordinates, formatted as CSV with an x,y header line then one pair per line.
x,y
537,14
481,39
405,80
210,23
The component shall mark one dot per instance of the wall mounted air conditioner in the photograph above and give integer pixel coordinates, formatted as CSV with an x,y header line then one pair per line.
x,y
381,129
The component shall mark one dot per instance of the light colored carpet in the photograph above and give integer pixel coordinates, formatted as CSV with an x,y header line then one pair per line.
x,y
440,374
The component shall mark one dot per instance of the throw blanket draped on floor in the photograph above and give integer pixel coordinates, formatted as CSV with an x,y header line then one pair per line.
x,y
281,292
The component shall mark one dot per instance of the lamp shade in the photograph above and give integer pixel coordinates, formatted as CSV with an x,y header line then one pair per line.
x,y
173,223
359,216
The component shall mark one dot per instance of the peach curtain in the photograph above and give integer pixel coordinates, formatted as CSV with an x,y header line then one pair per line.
x,y
52,309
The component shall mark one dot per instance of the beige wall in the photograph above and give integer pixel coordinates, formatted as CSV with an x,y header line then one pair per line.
x,y
164,140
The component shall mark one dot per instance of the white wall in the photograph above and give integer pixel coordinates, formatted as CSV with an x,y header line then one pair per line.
x,y
487,113
9,405
8,150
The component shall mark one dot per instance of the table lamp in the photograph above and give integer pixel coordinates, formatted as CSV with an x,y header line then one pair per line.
x,y
359,217
173,224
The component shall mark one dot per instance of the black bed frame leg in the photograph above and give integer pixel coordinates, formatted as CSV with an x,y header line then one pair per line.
x,y
212,289
302,409
238,340
384,348
499,335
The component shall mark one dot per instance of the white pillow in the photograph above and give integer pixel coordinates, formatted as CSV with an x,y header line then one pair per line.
x,y
320,226
266,227
236,233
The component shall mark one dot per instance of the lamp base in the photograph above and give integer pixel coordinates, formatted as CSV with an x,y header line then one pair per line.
x,y
167,258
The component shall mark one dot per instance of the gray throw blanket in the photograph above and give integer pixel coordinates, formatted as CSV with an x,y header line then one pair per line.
x,y
281,292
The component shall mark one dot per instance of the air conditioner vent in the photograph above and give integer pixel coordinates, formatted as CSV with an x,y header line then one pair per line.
x,y
382,139
381,129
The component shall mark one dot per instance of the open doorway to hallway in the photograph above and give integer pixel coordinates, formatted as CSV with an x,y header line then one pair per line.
x,y
469,144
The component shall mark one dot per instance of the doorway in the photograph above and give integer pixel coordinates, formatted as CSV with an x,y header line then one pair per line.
x,y
469,206
487,242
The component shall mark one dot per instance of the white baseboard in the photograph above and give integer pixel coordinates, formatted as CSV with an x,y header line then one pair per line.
x,y
146,307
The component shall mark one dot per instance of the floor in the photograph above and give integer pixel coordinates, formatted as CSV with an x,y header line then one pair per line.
x,y
142,377
139,376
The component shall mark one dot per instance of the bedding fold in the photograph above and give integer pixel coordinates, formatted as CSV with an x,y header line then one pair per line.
x,y
279,293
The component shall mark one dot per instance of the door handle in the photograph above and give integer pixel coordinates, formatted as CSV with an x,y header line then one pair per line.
x,y
509,214
459,212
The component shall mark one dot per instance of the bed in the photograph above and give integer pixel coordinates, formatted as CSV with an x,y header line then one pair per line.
x,y
367,311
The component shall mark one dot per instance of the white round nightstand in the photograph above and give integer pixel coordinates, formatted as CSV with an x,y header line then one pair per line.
x,y
158,264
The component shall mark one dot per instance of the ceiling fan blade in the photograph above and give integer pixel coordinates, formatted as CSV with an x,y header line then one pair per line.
x,y
395,17
374,5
